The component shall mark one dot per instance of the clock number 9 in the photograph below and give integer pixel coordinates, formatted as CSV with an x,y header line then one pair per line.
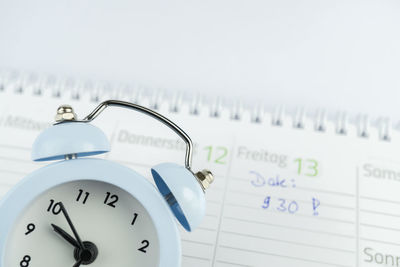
x,y
30,227
54,208
25,261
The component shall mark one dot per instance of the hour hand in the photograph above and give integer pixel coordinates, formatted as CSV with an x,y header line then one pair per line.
x,y
78,264
65,235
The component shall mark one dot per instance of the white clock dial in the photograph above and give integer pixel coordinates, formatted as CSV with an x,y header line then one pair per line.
x,y
107,219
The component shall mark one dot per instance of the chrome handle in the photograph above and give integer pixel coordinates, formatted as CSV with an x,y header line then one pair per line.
x,y
189,144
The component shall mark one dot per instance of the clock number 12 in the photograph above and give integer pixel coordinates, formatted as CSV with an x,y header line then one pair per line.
x,y
111,200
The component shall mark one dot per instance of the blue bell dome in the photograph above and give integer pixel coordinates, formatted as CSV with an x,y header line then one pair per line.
x,y
69,138
182,192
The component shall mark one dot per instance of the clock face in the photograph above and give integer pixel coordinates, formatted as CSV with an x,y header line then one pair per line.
x,y
115,229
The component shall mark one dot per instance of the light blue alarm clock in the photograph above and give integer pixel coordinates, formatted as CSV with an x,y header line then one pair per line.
x,y
88,211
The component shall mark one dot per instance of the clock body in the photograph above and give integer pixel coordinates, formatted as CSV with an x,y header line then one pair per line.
x,y
112,206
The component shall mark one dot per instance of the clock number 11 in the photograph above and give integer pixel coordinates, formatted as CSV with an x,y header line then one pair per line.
x,y
86,195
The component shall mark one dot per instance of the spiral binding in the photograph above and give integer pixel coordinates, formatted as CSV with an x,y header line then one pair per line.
x,y
75,89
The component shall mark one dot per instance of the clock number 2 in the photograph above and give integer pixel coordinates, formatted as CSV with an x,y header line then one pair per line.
x,y
146,245
111,200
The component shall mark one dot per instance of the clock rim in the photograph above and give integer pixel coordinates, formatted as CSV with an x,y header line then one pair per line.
x,y
45,178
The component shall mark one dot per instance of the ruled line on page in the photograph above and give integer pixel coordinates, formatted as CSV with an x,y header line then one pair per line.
x,y
233,263
284,256
196,257
16,159
307,188
226,186
15,147
289,242
216,174
297,215
357,203
198,242
206,228
380,213
380,199
380,227
290,227
380,241
14,172
3,184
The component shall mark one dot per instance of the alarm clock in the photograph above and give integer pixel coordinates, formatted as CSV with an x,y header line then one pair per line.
x,y
81,210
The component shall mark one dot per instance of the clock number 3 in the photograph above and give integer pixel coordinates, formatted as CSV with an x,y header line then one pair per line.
x,y
111,200
146,245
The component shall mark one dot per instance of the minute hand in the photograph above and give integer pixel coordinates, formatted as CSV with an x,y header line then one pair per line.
x,y
71,225
65,235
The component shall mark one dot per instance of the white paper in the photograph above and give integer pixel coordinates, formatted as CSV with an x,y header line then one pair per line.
x,y
281,197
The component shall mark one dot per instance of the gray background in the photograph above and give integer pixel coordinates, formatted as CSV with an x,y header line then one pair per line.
x,y
334,54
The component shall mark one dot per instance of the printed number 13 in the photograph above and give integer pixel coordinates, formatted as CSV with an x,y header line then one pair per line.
x,y
217,154
307,167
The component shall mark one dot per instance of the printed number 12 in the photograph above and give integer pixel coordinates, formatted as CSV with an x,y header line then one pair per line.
x,y
220,158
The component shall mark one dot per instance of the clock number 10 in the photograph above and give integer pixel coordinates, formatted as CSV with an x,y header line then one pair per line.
x,y
54,208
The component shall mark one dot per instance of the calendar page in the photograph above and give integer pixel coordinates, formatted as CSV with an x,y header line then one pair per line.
x,y
282,196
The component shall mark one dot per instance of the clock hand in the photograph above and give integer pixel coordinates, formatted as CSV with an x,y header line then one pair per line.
x,y
78,264
85,253
65,235
71,225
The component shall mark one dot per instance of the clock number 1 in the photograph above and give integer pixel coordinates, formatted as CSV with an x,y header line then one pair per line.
x,y
111,200
135,215
80,195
